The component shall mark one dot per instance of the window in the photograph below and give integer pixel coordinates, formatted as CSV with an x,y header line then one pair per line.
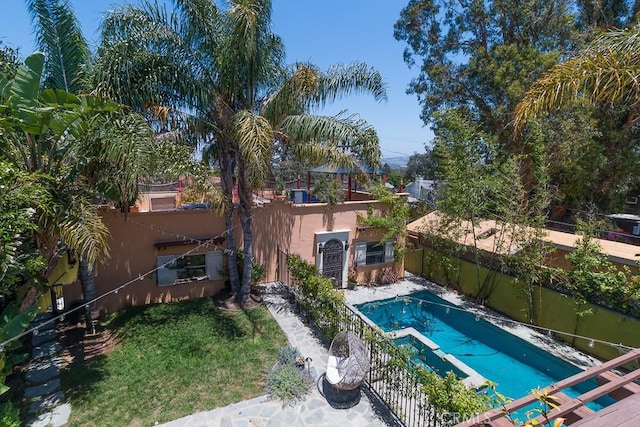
x,y
188,268
370,253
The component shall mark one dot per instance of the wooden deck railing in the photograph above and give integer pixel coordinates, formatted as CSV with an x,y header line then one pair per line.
x,y
573,410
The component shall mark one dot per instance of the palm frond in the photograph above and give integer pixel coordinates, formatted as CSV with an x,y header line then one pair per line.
x,y
250,18
255,138
357,78
123,144
317,152
59,36
607,71
250,57
144,60
618,40
199,22
334,130
81,228
294,96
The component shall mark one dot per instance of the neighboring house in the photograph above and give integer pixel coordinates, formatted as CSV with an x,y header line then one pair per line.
x,y
325,235
422,189
489,238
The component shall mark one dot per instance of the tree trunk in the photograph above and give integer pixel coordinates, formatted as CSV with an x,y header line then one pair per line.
x,y
87,277
245,191
227,166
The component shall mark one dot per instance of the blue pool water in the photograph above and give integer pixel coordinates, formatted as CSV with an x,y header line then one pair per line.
x,y
514,364
421,354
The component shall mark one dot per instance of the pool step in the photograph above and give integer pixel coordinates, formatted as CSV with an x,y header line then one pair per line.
x,y
473,379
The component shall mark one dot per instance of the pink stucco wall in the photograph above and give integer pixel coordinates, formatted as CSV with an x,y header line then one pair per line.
x,y
133,254
278,226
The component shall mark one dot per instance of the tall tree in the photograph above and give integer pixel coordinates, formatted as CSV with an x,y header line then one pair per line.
x,y
38,137
243,96
485,206
480,57
421,164
110,149
481,54
605,75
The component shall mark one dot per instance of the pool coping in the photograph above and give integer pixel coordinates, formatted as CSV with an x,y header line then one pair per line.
x,y
473,378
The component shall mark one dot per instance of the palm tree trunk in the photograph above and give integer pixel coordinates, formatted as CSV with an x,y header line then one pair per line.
x,y
87,277
245,191
227,165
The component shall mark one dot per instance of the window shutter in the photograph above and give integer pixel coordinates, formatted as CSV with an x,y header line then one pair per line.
x,y
361,254
166,276
214,265
389,249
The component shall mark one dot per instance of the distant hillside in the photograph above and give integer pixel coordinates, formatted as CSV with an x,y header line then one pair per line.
x,y
395,162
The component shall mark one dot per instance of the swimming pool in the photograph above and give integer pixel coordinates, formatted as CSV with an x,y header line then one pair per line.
x,y
515,365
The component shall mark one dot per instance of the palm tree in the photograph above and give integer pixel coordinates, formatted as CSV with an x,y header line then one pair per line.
x,y
113,145
606,71
59,37
233,78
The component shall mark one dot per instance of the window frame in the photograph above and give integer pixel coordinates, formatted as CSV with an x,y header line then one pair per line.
x,y
384,253
170,268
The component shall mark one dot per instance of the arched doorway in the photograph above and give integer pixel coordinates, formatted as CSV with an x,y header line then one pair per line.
x,y
332,261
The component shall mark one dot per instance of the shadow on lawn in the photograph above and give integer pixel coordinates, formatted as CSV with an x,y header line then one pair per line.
x,y
222,323
85,356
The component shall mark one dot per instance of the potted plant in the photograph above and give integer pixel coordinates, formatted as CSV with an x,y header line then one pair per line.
x,y
352,276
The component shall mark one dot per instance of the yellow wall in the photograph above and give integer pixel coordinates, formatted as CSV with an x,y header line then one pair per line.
x,y
552,309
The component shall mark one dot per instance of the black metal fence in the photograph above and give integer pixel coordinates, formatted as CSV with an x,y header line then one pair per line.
x,y
390,378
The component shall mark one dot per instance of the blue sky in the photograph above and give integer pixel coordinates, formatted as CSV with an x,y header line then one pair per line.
x,y
324,32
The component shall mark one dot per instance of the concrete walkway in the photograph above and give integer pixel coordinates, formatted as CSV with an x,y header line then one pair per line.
x,y
313,411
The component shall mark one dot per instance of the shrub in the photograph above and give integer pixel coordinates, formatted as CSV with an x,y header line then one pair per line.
x,y
388,276
258,271
288,384
316,294
288,355
328,190
450,395
9,416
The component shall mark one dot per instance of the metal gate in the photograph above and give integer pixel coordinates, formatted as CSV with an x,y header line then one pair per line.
x,y
332,261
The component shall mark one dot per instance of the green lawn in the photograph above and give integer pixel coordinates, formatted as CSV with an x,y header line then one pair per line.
x,y
172,360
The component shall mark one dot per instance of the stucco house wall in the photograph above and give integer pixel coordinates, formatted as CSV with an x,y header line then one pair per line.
x,y
301,228
139,239
135,243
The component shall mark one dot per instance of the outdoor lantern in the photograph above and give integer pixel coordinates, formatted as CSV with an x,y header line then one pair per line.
x,y
57,298
320,247
346,245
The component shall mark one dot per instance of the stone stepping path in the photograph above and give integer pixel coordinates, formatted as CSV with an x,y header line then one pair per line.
x,y
47,405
